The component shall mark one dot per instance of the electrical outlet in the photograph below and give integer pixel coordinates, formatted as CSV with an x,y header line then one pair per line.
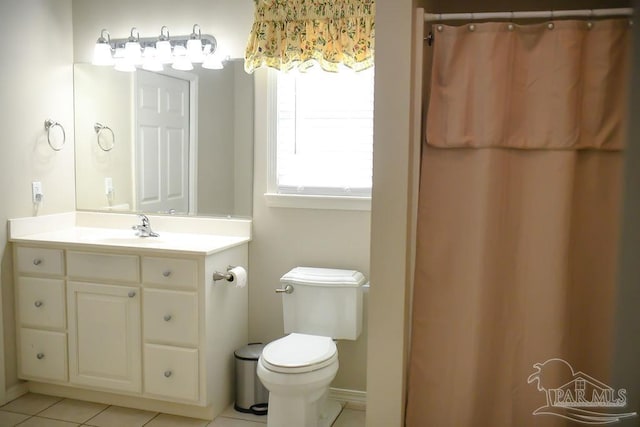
x,y
36,192
108,186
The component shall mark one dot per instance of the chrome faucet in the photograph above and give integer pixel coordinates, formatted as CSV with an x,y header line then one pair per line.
x,y
144,229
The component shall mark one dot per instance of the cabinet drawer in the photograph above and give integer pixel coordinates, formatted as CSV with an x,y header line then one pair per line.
x,y
40,261
41,302
171,371
99,266
43,354
171,317
170,272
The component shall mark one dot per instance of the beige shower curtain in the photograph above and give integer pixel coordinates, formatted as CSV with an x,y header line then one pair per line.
x,y
518,219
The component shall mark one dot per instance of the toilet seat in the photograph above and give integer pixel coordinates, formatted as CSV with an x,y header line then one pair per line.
x,y
298,353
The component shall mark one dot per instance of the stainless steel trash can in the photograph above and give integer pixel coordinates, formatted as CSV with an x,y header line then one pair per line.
x,y
251,396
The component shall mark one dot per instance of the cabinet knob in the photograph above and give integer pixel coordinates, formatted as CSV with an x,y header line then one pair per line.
x,y
40,356
167,317
38,303
132,294
37,261
166,273
168,373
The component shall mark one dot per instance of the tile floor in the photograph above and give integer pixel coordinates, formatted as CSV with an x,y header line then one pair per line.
x,y
38,410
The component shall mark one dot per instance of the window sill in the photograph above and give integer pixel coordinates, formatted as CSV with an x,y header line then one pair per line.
x,y
275,200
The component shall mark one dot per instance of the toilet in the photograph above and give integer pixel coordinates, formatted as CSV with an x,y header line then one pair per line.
x,y
319,305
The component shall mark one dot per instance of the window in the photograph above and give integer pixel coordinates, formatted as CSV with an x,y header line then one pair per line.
x,y
323,134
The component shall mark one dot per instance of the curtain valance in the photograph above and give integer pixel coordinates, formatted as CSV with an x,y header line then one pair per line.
x,y
556,85
293,33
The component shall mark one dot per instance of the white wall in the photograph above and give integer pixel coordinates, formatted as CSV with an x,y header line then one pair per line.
x,y
36,83
390,260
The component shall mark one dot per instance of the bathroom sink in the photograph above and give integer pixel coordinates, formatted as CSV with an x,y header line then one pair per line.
x,y
202,236
127,241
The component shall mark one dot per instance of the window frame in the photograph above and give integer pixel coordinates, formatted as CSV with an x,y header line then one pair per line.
x,y
291,200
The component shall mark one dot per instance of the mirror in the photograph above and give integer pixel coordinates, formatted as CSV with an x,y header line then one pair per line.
x,y
172,142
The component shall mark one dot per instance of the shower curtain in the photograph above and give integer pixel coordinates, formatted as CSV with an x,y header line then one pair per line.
x,y
518,222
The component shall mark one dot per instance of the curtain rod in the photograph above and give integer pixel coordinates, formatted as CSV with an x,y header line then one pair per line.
x,y
548,14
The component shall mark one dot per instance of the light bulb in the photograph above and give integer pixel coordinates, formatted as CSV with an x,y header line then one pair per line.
x,y
180,60
212,62
132,52
163,51
102,54
194,50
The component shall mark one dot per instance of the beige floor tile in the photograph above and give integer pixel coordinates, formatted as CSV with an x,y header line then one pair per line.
x,y
30,403
116,416
73,410
46,422
10,419
232,413
232,422
350,418
165,420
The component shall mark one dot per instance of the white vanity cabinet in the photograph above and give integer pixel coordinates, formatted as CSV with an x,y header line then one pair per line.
x,y
105,323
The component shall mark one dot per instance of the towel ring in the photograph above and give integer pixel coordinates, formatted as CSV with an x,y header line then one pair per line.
x,y
48,125
99,128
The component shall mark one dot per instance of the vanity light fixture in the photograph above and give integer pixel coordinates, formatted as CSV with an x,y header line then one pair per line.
x,y
152,53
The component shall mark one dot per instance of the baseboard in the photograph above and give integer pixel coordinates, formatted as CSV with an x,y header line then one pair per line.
x,y
15,391
354,399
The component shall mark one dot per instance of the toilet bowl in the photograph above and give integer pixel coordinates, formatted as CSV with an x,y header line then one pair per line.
x,y
297,371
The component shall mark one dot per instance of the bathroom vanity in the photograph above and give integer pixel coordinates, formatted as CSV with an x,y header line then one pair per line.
x,y
106,316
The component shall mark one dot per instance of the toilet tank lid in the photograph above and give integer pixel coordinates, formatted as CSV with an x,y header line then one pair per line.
x,y
313,276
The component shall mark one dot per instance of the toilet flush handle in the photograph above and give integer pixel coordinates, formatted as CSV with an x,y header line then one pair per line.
x,y
288,289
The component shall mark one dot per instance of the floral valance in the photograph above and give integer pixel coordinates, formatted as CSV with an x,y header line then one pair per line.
x,y
295,33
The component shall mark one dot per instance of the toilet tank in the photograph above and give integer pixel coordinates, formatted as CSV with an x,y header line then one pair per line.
x,y
324,301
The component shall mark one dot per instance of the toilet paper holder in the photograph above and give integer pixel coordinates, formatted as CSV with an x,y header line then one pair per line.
x,y
224,276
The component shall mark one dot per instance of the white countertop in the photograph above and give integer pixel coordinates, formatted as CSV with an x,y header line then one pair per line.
x,y
60,229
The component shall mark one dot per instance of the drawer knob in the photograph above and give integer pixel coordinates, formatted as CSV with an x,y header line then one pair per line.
x,y
37,261
40,356
38,303
132,294
168,373
166,273
167,317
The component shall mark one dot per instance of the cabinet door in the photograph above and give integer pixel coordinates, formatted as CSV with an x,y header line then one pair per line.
x,y
104,336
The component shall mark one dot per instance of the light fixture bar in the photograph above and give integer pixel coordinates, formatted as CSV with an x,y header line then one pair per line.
x,y
152,52
175,40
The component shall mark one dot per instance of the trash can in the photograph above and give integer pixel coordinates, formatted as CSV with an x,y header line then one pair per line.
x,y
251,396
